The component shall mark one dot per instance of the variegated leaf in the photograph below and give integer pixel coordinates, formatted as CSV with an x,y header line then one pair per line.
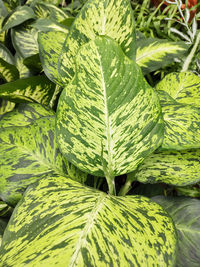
x,y
25,114
46,25
5,106
5,209
24,72
24,39
18,16
50,46
48,10
62,223
182,126
6,55
186,216
3,224
152,54
27,153
113,18
33,63
184,87
33,89
178,168
108,118
8,72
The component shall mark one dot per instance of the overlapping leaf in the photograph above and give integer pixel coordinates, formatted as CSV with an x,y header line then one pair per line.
x,y
186,216
108,117
111,18
153,54
24,114
46,25
33,89
6,55
183,87
27,153
24,39
83,230
5,106
178,168
50,46
20,15
8,72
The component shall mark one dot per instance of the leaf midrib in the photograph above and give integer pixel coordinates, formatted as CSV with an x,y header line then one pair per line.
x,y
89,224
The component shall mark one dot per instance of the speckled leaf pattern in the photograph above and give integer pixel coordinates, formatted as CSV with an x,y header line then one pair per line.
x,y
6,55
5,106
33,89
27,153
50,46
186,216
112,18
24,39
152,53
46,25
20,14
72,225
182,126
184,87
178,168
108,118
25,114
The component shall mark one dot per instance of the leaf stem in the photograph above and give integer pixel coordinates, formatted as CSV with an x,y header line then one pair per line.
x,y
127,186
111,184
190,56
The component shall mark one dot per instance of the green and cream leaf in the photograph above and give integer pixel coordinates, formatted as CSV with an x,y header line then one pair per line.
x,y
27,153
83,230
33,89
8,72
182,126
112,18
152,54
179,168
18,16
185,213
50,46
184,87
108,118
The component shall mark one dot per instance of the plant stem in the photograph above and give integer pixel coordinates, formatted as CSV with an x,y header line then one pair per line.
x,y
111,184
127,186
190,56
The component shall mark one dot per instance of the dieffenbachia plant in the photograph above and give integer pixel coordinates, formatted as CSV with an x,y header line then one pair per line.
x,y
108,122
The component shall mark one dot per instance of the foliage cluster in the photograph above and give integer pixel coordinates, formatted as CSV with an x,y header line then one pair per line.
x,y
98,166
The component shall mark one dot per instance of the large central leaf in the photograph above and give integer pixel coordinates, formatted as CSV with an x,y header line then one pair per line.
x,y
63,223
113,18
108,117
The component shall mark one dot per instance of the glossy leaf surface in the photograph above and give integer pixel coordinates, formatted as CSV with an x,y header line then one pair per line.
x,y
178,168
186,216
83,230
112,18
50,46
184,87
152,54
108,117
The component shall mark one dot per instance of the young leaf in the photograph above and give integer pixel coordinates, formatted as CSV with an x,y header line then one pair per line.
x,y
112,18
108,118
153,54
20,15
178,168
33,89
73,225
181,131
27,153
50,46
182,87
24,39
185,214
